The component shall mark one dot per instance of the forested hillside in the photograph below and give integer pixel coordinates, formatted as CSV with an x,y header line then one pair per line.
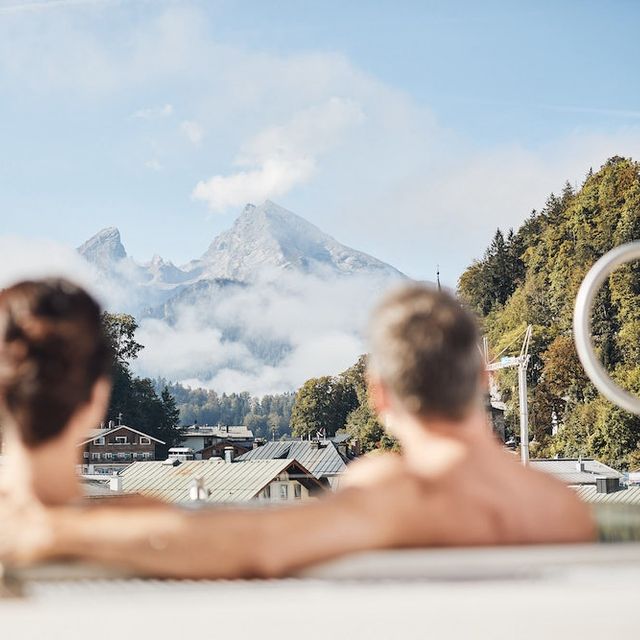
x,y
532,276
267,417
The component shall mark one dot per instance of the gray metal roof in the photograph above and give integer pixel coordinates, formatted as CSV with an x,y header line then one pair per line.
x,y
323,462
231,431
566,469
227,482
624,496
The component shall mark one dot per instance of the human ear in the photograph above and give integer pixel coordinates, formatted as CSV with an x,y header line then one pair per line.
x,y
378,395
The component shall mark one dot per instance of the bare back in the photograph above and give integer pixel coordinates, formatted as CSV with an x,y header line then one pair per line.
x,y
485,498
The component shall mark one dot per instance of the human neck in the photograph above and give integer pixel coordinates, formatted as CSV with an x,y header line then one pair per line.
x,y
433,445
46,474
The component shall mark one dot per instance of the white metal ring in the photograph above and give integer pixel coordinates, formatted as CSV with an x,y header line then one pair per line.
x,y
582,325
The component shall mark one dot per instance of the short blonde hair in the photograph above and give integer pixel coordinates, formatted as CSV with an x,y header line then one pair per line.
x,y
424,348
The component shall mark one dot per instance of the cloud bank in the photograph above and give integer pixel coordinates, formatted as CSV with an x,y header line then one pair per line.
x,y
266,337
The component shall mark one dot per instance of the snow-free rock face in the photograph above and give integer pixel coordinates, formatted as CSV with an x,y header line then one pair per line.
x,y
104,250
271,237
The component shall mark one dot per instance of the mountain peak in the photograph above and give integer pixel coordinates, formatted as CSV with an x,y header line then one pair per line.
x,y
270,236
104,249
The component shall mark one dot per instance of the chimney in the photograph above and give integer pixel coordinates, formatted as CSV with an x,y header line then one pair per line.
x,y
111,424
258,442
197,492
228,455
314,444
607,485
579,465
115,483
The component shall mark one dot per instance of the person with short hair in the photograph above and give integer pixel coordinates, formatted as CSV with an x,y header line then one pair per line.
x,y
452,484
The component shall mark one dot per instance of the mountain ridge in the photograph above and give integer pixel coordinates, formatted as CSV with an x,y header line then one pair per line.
x,y
263,238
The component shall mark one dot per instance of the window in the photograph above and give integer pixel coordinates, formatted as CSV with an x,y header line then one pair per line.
x,y
108,456
121,440
267,492
99,441
95,456
284,492
144,440
85,455
297,491
146,456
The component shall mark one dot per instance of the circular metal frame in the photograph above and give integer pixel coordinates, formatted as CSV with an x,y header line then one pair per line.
x,y
600,271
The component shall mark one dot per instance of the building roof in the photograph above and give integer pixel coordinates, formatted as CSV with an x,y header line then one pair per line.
x,y
226,482
588,493
566,469
321,457
99,433
220,431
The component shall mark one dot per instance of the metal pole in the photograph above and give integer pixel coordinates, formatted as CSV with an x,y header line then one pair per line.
x,y
524,410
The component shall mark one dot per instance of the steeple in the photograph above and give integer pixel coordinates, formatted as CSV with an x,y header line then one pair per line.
x,y
438,277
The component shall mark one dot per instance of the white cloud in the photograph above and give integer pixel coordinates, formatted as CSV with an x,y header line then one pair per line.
x,y
281,157
193,131
299,326
151,113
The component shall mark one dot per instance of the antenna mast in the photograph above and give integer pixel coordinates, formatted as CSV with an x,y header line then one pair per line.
x,y
521,362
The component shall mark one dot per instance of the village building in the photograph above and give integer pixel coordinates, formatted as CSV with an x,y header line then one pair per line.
x,y
109,450
210,441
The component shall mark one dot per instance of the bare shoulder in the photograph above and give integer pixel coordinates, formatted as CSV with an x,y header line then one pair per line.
x,y
370,470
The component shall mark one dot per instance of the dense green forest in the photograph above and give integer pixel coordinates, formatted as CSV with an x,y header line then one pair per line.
x,y
532,277
267,417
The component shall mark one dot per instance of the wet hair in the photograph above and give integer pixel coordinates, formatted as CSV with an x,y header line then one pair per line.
x,y
53,350
424,349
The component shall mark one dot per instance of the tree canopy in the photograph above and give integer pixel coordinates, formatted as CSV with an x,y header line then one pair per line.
x,y
532,277
134,398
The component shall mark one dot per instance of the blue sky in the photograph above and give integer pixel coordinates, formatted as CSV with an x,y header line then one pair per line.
x,y
409,130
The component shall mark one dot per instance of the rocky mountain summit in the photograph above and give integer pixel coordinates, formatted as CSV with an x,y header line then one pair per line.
x,y
262,243
270,299
263,238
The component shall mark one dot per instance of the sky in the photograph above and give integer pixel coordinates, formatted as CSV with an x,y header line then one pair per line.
x,y
409,130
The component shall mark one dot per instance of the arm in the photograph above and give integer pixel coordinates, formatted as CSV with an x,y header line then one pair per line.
x,y
225,543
